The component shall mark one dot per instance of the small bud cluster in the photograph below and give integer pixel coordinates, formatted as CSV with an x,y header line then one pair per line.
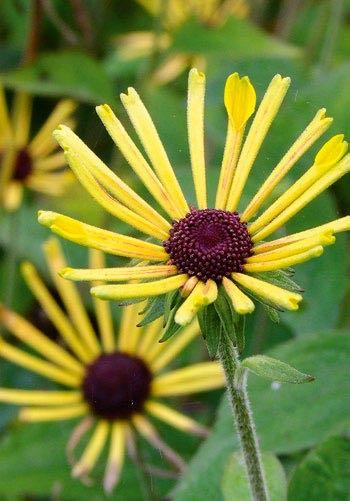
x,y
209,243
116,385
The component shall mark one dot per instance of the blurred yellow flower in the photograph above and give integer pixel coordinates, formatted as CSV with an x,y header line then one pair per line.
x,y
141,43
113,382
31,163
202,249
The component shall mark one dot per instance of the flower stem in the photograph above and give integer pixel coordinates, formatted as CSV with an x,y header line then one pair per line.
x,y
237,392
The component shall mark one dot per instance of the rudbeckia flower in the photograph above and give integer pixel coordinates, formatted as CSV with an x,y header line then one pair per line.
x,y
202,250
173,14
115,383
32,163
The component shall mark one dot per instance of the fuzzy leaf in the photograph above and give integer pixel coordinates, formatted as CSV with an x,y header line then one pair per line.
x,y
228,316
211,327
154,309
271,368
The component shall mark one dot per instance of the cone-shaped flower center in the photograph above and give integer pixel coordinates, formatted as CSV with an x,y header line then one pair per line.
x,y
209,243
23,166
116,385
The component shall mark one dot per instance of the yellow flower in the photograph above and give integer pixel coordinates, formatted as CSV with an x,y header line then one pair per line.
x,y
113,382
30,163
174,13
203,249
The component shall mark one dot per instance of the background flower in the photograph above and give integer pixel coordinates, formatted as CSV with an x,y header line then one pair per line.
x,y
113,382
32,163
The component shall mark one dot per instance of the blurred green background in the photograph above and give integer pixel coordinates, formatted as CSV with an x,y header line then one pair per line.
x,y
91,51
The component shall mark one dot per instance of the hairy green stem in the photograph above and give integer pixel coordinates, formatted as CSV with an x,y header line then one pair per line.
x,y
237,392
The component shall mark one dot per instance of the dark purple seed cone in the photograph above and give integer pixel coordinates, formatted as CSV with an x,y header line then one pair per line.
x,y
23,166
209,243
116,385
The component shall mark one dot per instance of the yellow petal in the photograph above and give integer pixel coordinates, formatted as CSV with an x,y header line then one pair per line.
x,y
332,151
6,129
92,451
146,289
195,126
265,114
30,335
315,172
38,414
277,295
116,456
318,187
121,274
240,100
41,367
39,397
151,142
136,160
173,347
70,142
284,262
241,303
318,125
52,162
13,196
38,145
175,419
336,226
102,308
102,197
202,295
53,311
107,241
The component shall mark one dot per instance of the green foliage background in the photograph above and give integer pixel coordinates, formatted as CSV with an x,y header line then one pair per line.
x,y
305,427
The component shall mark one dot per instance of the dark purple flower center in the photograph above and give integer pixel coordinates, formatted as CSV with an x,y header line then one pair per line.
x,y
23,166
116,385
209,243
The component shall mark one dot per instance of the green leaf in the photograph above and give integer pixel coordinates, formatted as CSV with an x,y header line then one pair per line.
x,y
228,316
280,278
240,332
234,484
271,368
272,313
280,411
324,474
55,74
171,327
154,309
210,326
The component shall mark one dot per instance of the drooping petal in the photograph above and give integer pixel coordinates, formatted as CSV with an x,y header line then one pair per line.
x,y
241,303
277,295
116,456
202,295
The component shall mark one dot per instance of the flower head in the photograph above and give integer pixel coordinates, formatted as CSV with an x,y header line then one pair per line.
x,y
204,251
30,163
113,382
